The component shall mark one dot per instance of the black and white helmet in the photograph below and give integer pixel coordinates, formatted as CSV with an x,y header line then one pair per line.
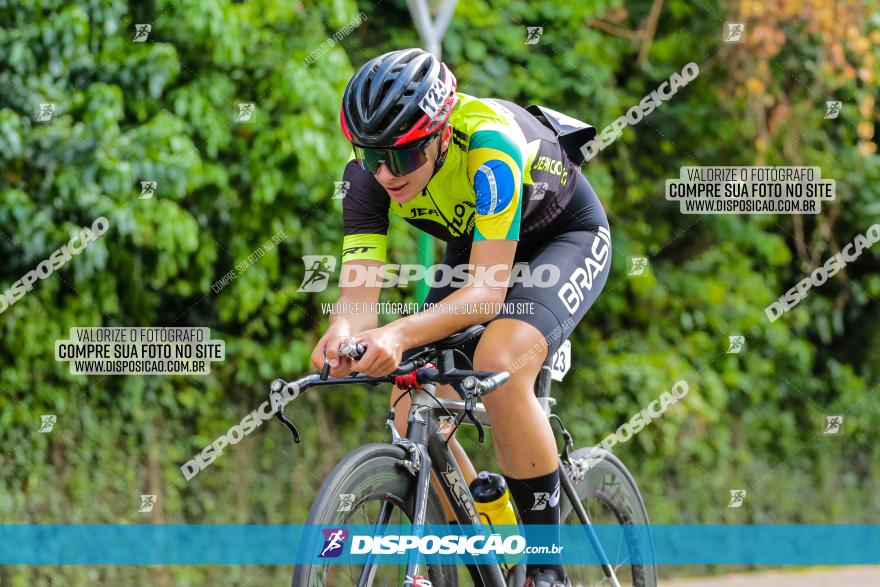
x,y
397,98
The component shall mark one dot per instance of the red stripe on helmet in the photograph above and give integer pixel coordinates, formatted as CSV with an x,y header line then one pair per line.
x,y
418,131
345,130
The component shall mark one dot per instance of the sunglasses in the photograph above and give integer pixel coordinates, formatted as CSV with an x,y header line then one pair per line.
x,y
400,161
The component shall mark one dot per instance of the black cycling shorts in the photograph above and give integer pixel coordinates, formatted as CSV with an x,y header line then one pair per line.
x,y
578,243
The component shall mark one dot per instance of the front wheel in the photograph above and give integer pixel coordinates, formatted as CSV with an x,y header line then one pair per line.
x,y
366,483
609,495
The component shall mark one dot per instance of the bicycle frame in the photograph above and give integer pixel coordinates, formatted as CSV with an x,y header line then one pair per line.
x,y
428,451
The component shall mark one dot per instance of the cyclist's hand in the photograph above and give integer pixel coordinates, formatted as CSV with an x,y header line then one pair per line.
x,y
339,366
384,351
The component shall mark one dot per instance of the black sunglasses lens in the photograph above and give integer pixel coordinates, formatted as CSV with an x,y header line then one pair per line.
x,y
404,161
368,158
399,161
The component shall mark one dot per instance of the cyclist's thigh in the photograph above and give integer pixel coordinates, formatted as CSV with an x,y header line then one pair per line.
x,y
583,260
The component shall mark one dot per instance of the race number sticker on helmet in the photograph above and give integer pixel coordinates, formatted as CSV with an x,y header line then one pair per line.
x,y
434,99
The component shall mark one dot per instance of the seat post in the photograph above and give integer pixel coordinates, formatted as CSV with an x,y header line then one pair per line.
x,y
542,383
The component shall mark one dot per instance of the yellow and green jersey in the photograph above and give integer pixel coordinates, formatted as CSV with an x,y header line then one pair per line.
x,y
505,177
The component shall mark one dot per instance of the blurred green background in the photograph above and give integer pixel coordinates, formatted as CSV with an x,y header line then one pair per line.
x,y
162,110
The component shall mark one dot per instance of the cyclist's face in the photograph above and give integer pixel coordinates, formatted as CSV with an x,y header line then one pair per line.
x,y
404,188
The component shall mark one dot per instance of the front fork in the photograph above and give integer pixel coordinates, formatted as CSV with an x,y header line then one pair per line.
x,y
422,425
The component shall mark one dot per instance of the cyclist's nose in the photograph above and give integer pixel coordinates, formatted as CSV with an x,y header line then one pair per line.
x,y
383,173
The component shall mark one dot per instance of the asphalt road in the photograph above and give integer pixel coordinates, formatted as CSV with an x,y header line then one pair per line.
x,y
836,577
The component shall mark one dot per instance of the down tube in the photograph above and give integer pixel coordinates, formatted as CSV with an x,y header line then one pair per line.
x,y
456,490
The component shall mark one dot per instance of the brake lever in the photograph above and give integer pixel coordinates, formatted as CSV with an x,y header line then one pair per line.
x,y
470,403
278,408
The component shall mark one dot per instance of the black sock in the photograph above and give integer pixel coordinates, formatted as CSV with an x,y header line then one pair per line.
x,y
537,500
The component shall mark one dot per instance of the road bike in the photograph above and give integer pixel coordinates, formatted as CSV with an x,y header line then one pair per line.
x,y
389,483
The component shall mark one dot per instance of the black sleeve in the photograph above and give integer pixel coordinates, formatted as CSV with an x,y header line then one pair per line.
x,y
365,206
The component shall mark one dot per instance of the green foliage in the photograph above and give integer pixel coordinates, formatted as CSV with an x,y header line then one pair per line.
x,y
163,110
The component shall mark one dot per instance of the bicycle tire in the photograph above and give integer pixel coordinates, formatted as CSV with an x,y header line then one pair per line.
x,y
368,472
625,504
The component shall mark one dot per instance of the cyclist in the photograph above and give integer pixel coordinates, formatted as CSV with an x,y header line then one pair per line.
x,y
492,181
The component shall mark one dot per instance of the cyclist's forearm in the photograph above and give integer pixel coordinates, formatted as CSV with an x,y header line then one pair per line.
x,y
354,309
462,308
354,323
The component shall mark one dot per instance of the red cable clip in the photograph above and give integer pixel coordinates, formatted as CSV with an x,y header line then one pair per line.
x,y
408,381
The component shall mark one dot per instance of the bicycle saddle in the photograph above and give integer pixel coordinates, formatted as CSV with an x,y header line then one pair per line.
x,y
458,338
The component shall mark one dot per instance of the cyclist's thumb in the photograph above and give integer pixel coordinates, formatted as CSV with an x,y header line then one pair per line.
x,y
331,351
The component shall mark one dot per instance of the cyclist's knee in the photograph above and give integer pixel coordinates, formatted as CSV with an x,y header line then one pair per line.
x,y
512,346
521,365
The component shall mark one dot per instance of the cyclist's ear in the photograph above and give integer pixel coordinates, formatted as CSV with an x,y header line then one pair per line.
x,y
445,137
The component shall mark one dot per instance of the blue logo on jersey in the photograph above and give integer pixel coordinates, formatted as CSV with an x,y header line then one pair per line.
x,y
493,184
